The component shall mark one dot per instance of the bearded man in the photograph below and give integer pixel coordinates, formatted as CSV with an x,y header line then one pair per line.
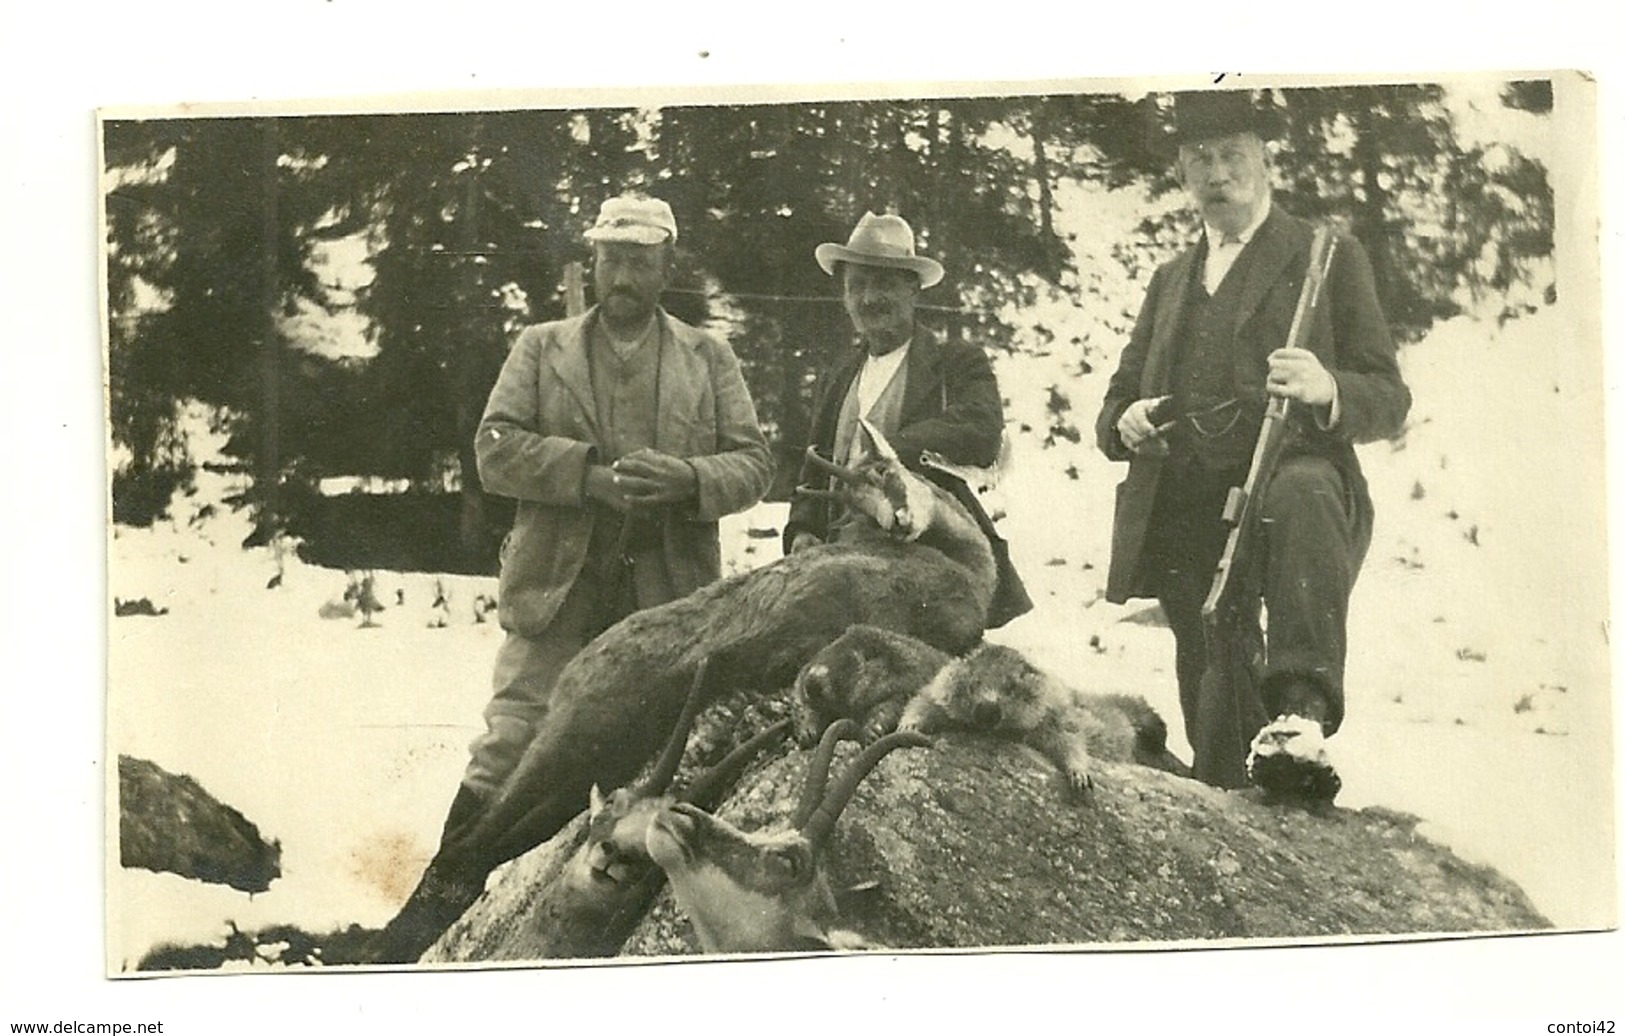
x,y
624,434
1184,408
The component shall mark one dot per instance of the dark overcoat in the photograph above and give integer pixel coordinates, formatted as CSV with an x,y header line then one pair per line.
x,y
1349,335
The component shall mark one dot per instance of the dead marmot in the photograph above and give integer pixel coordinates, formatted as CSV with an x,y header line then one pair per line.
x,y
867,674
996,690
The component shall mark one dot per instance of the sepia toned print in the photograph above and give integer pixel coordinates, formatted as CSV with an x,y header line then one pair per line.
x,y
307,313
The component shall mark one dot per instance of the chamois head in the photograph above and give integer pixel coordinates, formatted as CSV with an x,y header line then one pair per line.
x,y
614,852
765,892
881,488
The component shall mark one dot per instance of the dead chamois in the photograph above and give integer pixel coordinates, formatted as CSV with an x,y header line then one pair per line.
x,y
921,567
600,882
915,562
590,904
766,892
614,853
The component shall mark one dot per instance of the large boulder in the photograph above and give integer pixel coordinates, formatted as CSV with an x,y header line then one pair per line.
x,y
169,822
973,843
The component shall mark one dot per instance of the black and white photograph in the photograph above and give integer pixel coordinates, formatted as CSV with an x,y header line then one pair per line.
x,y
706,518
1090,516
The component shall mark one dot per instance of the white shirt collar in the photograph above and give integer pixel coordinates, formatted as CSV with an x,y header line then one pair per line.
x,y
877,373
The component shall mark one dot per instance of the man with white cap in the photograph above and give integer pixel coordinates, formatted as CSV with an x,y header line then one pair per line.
x,y
623,434
923,392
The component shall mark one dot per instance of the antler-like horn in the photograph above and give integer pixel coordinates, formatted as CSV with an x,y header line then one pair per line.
x,y
883,449
665,769
829,467
818,826
811,493
812,788
708,786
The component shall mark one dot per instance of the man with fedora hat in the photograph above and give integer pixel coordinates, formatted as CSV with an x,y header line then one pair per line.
x,y
923,392
1184,408
624,434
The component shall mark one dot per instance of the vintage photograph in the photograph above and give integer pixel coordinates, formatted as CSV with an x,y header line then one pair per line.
x,y
1103,514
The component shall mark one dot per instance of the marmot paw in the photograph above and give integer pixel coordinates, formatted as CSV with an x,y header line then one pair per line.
x,y
804,726
1080,786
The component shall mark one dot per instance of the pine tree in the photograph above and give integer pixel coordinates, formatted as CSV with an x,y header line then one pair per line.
x,y
216,229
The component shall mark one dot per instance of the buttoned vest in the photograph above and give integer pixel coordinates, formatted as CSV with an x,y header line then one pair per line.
x,y
1219,419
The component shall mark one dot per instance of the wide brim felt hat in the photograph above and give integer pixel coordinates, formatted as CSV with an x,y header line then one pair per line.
x,y
883,241
1208,114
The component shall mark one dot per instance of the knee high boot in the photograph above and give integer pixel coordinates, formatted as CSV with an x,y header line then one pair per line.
x,y
467,805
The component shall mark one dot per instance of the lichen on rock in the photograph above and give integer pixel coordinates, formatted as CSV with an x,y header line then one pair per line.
x,y
972,843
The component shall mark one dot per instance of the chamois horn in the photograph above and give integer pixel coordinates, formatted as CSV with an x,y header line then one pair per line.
x,y
665,767
883,449
708,786
812,788
818,827
829,467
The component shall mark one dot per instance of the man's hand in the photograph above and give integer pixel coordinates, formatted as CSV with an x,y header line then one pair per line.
x,y
601,486
802,541
651,477
1298,374
1138,432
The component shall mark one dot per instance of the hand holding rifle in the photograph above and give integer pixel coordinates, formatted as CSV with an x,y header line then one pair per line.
x,y
1226,692
1298,374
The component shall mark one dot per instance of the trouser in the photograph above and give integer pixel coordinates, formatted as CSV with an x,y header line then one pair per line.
x,y
527,666
1316,529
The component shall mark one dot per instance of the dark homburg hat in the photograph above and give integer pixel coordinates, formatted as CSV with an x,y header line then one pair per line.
x,y
1206,114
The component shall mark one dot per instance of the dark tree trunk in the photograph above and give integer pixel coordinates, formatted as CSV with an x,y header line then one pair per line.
x,y
471,523
268,469
1371,224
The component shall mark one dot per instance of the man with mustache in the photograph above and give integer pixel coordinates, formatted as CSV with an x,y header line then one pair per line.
x,y
624,434
922,391
1184,409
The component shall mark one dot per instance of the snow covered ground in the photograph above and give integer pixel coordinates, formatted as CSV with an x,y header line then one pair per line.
x,y
1478,679
1478,683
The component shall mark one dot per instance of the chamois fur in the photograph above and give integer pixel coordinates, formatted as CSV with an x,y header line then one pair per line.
x,y
997,691
766,891
618,822
608,881
916,563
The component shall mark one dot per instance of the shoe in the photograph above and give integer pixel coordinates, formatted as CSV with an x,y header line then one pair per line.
x,y
1288,761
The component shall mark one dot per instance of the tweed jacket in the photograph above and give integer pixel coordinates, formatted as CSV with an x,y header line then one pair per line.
x,y
1348,335
540,431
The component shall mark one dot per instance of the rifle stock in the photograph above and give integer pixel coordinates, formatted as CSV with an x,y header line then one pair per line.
x,y
1222,610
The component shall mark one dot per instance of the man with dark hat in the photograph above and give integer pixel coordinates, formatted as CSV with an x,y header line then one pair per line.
x,y
624,434
923,392
1184,409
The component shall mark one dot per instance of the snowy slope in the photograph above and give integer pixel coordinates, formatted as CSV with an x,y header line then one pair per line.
x,y
1478,684
1478,675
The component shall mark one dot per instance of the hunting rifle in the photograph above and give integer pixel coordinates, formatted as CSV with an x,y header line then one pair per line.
x,y
1221,753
